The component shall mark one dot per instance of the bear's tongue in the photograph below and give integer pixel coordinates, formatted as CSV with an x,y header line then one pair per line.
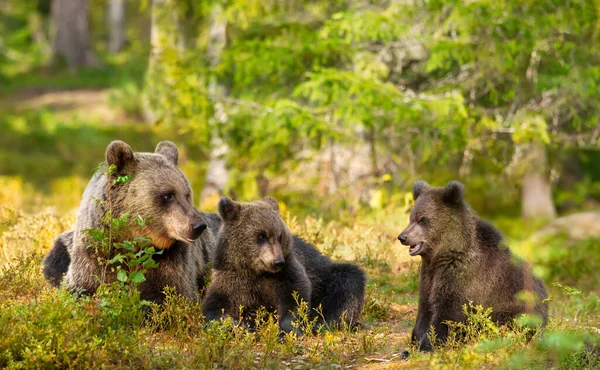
x,y
415,249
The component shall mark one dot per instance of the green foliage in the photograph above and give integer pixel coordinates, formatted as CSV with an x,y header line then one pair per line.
x,y
112,247
462,85
570,262
20,22
377,304
479,341
33,322
129,98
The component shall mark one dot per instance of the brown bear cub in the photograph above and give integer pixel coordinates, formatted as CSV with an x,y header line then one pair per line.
x,y
462,259
259,263
158,192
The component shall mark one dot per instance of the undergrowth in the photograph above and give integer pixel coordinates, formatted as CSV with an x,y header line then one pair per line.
x,y
43,327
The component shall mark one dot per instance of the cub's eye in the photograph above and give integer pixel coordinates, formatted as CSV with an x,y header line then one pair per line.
x,y
167,197
262,237
423,221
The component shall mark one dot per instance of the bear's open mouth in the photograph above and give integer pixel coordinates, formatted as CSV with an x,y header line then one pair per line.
x,y
415,249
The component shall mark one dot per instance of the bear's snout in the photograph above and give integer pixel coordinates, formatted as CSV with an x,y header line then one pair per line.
x,y
279,263
402,239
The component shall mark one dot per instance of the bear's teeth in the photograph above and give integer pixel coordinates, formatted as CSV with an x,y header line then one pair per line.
x,y
414,248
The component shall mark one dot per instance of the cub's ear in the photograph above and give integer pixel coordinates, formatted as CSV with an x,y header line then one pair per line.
x,y
229,209
120,154
454,193
169,150
419,187
272,202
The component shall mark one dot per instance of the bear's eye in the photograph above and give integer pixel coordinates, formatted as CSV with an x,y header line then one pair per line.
x,y
167,197
262,237
423,221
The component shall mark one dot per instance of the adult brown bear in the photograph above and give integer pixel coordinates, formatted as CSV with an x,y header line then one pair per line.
x,y
158,192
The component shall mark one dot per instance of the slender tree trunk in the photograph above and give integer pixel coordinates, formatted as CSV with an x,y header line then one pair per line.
x,y
71,37
536,195
116,25
217,173
372,138
164,34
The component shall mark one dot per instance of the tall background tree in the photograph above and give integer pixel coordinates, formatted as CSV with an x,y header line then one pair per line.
x,y
116,24
71,36
217,173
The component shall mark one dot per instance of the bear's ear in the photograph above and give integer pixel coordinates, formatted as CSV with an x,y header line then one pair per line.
x,y
454,193
419,187
169,150
120,154
228,209
272,202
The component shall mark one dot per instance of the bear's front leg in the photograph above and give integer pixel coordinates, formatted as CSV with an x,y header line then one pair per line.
x,y
446,310
289,303
422,325
215,305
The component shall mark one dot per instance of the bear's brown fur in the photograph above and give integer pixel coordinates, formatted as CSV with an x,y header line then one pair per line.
x,y
462,259
157,192
259,263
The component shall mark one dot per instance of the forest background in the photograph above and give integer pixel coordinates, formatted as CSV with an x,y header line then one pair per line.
x,y
333,107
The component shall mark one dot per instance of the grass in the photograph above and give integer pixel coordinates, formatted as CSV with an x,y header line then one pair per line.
x,y
43,327
115,71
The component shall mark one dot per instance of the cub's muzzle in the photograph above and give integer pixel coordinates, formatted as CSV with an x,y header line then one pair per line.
x,y
402,239
278,264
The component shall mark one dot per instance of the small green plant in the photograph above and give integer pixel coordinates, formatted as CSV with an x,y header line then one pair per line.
x,y
478,326
176,315
570,261
304,322
122,258
377,304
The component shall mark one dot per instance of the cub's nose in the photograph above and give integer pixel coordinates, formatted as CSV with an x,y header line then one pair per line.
x,y
279,263
197,229
402,239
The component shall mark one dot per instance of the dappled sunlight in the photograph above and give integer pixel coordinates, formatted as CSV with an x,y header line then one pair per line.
x,y
335,109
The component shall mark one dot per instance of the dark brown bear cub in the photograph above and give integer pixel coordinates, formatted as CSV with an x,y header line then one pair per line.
x,y
462,260
259,263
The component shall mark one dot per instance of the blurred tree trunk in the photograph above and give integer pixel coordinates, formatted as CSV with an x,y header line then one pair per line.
x,y
372,140
536,195
217,173
71,36
163,35
116,25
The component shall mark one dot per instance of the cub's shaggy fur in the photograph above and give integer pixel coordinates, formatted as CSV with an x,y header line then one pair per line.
x,y
259,263
462,260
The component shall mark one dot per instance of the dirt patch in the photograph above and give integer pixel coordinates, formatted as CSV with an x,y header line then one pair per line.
x,y
82,102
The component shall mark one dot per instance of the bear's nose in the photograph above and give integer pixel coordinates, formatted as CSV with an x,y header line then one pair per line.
x,y
279,263
197,229
402,238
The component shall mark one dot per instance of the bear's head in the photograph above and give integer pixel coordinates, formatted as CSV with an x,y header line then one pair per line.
x,y
156,191
437,218
253,237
